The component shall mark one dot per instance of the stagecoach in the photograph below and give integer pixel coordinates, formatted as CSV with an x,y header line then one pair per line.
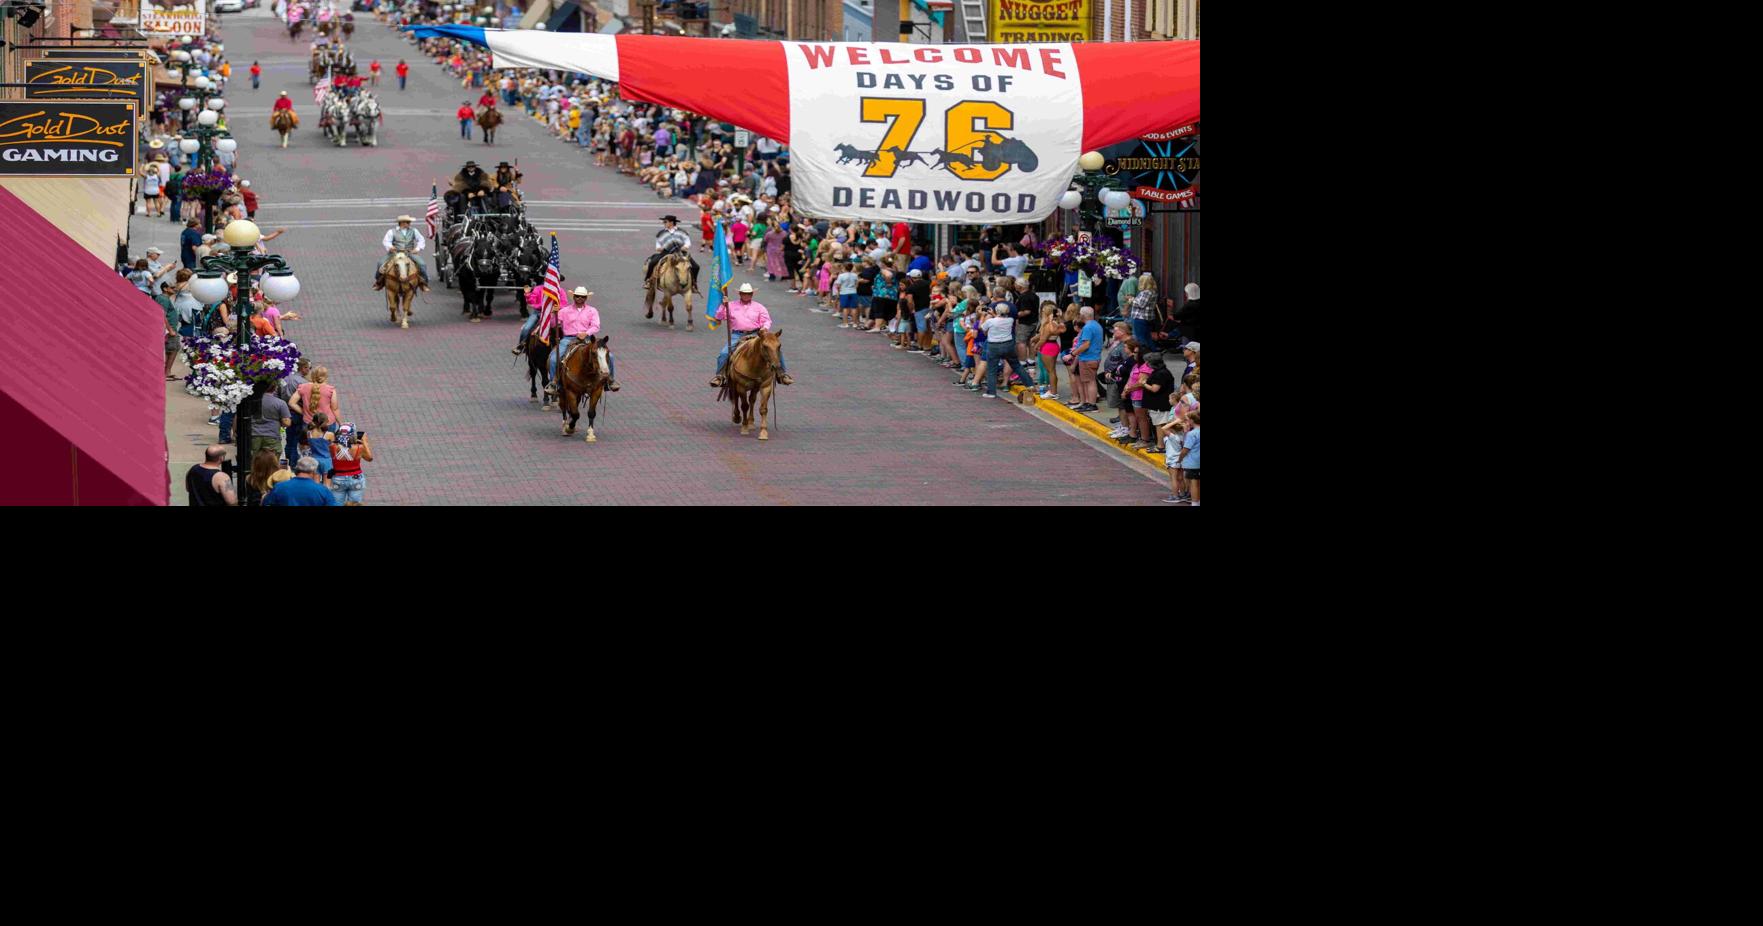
x,y
502,247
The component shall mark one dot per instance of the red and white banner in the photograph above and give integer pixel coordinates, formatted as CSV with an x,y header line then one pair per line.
x,y
920,133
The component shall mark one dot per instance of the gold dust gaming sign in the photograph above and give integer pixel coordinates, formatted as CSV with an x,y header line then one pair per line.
x,y
50,138
65,79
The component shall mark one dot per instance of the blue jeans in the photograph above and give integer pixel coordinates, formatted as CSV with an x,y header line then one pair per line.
x,y
254,78
583,135
722,358
400,81
1141,332
177,208
226,429
526,327
465,129
563,348
347,489
998,354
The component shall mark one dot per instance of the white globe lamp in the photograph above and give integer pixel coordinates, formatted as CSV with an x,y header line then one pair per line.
x,y
208,117
189,146
1091,160
1071,200
187,102
209,287
228,145
280,286
217,104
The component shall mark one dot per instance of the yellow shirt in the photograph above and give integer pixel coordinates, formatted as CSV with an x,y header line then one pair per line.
x,y
575,118
226,69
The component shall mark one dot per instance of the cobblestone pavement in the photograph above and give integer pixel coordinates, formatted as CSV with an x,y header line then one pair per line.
x,y
446,404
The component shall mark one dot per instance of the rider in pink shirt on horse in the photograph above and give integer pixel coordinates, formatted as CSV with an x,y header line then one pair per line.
x,y
579,321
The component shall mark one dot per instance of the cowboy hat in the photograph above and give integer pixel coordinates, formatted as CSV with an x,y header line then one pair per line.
x,y
670,218
469,164
405,218
156,143
746,288
284,93
580,291
504,164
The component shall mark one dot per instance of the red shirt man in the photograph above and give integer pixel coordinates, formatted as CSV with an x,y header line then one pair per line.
x,y
464,114
403,69
902,237
486,100
256,71
374,67
283,102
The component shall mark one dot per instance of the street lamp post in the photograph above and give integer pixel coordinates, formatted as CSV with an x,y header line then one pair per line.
x,y
279,286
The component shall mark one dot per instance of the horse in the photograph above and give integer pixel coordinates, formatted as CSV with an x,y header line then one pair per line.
x,y
477,268
284,121
945,158
752,375
852,153
294,27
582,373
487,119
348,29
538,364
365,116
673,276
336,120
402,280
903,158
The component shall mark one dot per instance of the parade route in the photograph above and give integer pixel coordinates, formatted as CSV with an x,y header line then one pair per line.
x,y
446,404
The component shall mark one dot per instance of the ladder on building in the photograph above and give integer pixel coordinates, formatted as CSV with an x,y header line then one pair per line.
x,y
973,19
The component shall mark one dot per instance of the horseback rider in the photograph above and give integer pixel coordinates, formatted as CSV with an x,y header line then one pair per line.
x,y
282,102
747,317
408,240
580,321
669,239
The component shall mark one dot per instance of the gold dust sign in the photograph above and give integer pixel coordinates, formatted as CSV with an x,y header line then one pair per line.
x,y
49,139
83,80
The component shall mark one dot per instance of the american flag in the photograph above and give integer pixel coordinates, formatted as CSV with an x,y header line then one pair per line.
x,y
553,290
434,206
322,87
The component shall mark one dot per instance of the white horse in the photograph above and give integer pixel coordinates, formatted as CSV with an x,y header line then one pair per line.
x,y
365,116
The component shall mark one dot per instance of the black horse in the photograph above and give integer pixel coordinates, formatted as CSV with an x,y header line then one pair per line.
x,y
538,363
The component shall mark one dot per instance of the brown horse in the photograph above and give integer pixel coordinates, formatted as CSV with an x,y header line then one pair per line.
x,y
402,280
284,121
582,374
487,119
752,374
673,276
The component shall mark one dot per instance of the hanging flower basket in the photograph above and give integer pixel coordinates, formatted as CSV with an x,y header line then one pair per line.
x,y
207,183
224,379
1098,258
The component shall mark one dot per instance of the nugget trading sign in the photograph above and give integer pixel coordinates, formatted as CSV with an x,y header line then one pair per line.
x,y
917,133
1041,20
173,17
56,139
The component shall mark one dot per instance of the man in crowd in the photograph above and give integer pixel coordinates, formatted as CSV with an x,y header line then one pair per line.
x,y
303,491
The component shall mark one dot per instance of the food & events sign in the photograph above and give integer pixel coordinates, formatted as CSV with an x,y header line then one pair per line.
x,y
1017,21
173,17
68,79
51,138
1163,167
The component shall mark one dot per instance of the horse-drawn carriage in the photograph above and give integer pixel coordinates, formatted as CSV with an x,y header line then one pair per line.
x,y
333,60
483,252
361,114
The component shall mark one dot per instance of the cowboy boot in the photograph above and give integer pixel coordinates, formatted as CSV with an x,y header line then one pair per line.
x,y
786,379
721,376
379,280
612,385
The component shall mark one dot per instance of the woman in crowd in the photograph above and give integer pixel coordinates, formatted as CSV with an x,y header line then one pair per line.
x,y
776,268
1046,348
316,396
348,452
264,464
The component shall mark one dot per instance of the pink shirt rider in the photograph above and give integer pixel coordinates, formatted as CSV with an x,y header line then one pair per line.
x,y
580,323
748,316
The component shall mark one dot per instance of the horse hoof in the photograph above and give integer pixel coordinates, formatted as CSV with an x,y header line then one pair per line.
x,y
764,436
404,324
670,326
745,431
592,439
533,399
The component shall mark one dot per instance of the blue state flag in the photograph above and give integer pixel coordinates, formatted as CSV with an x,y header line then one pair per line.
x,y
721,270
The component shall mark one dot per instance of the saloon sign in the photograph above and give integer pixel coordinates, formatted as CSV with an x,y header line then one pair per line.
x,y
60,139
172,17
65,79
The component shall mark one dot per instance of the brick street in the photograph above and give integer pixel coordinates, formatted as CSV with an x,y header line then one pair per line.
x,y
446,405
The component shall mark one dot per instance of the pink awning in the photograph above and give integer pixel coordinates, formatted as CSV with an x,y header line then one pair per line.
x,y
82,397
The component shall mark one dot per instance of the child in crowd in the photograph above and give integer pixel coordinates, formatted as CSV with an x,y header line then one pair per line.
x,y
847,285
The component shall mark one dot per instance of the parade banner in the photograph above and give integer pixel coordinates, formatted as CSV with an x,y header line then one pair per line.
x,y
1041,21
67,139
950,134
67,79
173,17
